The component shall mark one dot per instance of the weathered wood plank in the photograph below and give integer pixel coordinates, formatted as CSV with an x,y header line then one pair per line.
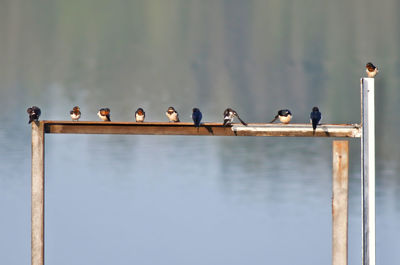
x,y
299,130
37,207
211,129
340,196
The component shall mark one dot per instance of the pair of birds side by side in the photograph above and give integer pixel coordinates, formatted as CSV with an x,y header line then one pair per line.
x,y
173,116
285,116
105,113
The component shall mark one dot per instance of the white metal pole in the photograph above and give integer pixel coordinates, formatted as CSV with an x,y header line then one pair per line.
x,y
368,170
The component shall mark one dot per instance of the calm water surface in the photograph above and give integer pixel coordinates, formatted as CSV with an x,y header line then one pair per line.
x,y
193,200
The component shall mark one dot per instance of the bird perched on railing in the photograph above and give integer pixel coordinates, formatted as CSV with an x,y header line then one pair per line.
x,y
172,114
371,70
229,114
315,117
284,115
75,113
139,115
34,113
196,116
104,114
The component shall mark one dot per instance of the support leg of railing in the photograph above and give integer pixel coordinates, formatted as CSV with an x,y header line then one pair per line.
x,y
37,200
368,170
340,196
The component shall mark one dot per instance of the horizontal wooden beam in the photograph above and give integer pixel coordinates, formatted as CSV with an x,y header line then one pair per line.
x,y
211,129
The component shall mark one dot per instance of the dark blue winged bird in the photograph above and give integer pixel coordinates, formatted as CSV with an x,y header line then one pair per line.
x,y
315,117
196,116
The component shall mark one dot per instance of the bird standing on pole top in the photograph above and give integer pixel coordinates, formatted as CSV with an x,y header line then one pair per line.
x,y
315,117
34,113
371,70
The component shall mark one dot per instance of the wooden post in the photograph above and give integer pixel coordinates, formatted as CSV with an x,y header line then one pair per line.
x,y
368,170
37,200
340,195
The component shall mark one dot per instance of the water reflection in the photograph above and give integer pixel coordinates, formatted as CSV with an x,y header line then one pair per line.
x,y
210,197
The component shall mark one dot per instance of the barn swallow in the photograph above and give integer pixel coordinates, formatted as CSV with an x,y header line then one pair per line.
x,y
229,114
315,117
371,70
284,115
75,113
139,115
34,113
172,115
104,114
196,116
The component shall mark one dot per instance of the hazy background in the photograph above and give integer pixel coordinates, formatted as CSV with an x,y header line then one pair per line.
x,y
194,200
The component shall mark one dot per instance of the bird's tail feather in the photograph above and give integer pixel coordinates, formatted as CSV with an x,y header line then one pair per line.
x,y
276,117
245,124
314,126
